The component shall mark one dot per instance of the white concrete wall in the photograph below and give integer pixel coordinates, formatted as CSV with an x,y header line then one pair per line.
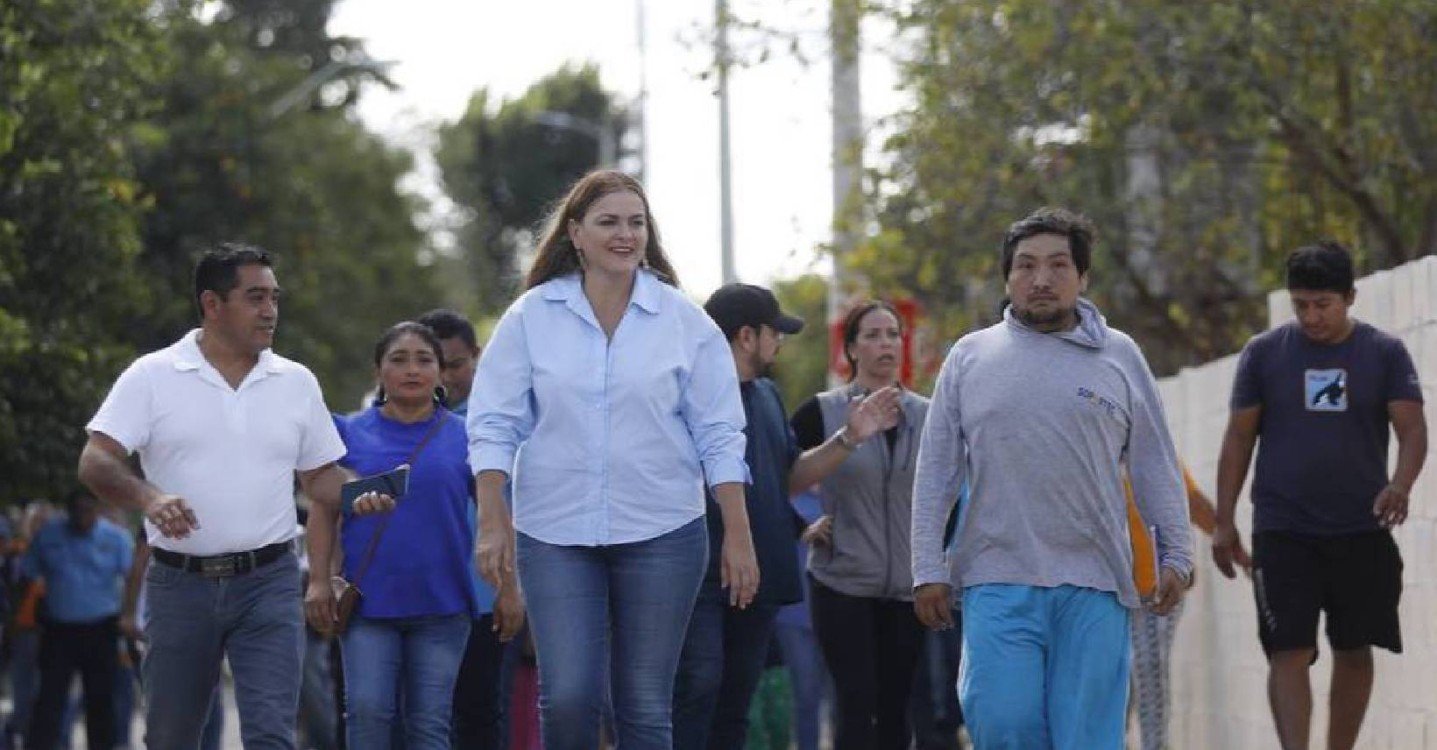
x,y
1219,674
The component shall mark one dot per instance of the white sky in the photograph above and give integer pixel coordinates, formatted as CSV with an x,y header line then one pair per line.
x,y
781,133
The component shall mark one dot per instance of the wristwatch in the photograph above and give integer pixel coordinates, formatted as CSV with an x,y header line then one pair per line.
x,y
843,438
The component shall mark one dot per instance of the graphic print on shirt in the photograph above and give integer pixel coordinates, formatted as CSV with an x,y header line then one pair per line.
x,y
1326,390
1108,405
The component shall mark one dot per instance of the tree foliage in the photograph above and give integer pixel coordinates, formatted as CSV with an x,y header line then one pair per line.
x,y
309,184
802,367
1205,139
505,162
134,135
74,76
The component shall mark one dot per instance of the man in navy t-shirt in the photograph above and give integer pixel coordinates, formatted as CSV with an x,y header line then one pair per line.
x,y
1320,393
725,646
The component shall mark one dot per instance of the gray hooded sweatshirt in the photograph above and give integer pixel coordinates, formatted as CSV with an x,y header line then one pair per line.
x,y
1042,427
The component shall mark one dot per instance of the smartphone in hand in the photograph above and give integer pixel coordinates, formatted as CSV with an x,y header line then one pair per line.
x,y
393,483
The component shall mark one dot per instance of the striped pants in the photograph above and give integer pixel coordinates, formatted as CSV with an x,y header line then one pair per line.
x,y
1152,649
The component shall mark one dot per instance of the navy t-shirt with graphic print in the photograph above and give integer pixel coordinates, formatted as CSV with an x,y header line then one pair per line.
x,y
1323,438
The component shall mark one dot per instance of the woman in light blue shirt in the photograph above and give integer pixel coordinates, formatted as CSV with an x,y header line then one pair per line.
x,y
611,400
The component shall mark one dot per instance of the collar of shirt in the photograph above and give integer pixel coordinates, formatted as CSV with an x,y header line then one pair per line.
x,y
189,358
570,290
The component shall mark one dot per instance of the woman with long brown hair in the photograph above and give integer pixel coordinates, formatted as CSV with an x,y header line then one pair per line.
x,y
610,400
861,588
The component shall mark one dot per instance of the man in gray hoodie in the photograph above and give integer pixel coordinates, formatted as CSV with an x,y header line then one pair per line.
x,y
1043,414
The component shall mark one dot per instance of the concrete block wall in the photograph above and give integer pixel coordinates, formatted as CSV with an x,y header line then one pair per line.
x,y
1219,673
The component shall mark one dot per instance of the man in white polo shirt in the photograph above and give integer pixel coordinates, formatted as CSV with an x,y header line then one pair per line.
x,y
221,424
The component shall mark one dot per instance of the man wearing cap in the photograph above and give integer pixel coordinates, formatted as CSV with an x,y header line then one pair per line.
x,y
725,648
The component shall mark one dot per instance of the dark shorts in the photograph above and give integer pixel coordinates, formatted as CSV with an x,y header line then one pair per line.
x,y
1355,578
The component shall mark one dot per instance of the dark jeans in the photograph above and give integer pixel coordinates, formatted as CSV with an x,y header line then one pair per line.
x,y
318,710
92,649
719,669
624,605
255,620
871,647
478,711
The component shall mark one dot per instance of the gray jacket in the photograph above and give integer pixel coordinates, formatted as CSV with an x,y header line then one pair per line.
x,y
870,499
1042,425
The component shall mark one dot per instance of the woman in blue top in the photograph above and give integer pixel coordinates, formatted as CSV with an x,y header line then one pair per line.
x,y
409,633
610,398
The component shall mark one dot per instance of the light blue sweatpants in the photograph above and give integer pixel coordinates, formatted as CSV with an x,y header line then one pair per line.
x,y
1044,667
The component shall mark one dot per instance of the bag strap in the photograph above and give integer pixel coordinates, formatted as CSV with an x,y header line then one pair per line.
x,y
384,523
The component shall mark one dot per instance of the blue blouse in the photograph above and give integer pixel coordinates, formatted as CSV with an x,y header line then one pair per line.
x,y
607,442
424,563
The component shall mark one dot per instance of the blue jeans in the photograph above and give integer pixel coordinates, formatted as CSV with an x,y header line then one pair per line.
x,y
416,656
722,660
255,619
809,677
1044,667
627,604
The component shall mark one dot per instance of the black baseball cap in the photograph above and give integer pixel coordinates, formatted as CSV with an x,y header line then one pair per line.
x,y
734,306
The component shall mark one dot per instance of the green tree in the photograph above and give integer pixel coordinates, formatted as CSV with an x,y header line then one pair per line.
x,y
74,79
506,162
1206,140
802,367
309,184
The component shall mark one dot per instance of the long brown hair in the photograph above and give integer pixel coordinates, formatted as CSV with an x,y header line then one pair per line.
x,y
557,255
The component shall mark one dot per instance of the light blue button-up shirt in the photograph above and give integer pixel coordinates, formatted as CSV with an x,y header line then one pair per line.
x,y
607,442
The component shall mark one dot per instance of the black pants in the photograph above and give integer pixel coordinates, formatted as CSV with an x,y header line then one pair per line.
x,y
92,649
871,647
478,712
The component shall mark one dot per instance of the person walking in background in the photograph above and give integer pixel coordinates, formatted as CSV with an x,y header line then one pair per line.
x,y
414,565
218,497
1320,393
479,714
82,558
24,635
1152,633
461,351
726,647
1041,414
609,398
861,587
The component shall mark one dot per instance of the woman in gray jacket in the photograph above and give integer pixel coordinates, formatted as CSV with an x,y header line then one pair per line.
x,y
861,582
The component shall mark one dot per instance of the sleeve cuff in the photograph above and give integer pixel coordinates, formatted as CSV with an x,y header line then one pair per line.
x,y
1182,567
125,440
723,471
931,575
492,457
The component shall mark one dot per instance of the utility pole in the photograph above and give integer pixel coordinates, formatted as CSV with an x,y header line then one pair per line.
x,y
843,28
722,60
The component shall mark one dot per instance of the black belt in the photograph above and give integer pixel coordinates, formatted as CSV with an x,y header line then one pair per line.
x,y
221,566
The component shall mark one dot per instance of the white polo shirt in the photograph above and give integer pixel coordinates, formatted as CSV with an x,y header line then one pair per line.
x,y
231,453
